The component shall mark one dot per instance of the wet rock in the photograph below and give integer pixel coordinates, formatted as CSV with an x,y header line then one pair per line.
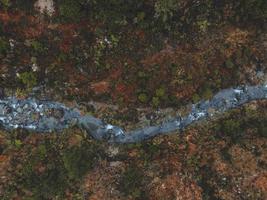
x,y
19,110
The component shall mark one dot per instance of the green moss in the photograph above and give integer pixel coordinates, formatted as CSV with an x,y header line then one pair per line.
x,y
29,80
37,46
229,64
148,152
18,143
203,25
3,46
142,74
251,113
165,9
114,40
207,93
5,3
160,92
70,10
79,159
155,101
196,98
233,129
50,167
140,17
143,98
131,183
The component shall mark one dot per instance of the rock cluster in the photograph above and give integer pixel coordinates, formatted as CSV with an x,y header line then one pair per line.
x,y
31,114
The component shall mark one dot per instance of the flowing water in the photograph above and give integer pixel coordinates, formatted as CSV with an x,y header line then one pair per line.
x,y
45,116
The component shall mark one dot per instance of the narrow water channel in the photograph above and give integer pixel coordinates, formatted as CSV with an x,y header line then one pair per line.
x,y
46,116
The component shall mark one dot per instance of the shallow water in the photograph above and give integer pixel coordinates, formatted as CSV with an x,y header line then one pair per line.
x,y
45,116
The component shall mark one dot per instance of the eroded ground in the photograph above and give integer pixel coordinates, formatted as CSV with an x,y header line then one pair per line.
x,y
135,59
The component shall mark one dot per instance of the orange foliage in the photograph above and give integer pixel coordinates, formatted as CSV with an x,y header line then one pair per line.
x,y
33,29
100,87
140,34
261,182
65,45
3,158
116,73
124,91
6,17
185,92
164,56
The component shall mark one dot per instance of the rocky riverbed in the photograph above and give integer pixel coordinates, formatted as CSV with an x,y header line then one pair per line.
x,y
45,116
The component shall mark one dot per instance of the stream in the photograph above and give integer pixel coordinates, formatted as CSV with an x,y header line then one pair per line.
x,y
46,116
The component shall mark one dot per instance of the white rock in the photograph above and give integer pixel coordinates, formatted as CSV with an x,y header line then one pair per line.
x,y
238,91
109,127
113,151
115,164
31,126
35,67
45,6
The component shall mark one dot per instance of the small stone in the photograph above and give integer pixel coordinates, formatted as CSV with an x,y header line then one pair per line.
x,y
260,74
25,106
19,110
211,111
27,43
115,164
113,151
